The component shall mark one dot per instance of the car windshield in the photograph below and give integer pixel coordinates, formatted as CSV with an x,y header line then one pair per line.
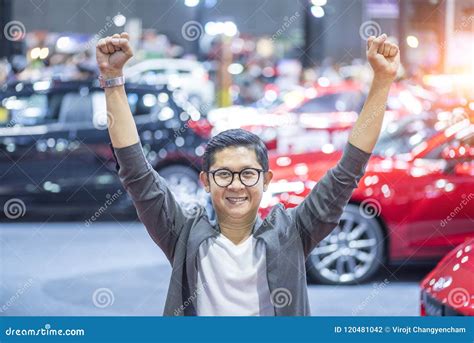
x,y
336,102
402,136
29,110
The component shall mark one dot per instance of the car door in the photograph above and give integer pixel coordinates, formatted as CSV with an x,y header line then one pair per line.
x,y
34,148
96,180
90,170
445,215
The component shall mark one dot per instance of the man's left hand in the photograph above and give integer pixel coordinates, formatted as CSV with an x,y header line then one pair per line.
x,y
384,57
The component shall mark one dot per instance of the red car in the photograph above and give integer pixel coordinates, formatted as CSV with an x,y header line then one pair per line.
x,y
448,290
415,202
314,119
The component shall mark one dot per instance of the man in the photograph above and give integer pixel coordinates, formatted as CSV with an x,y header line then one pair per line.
x,y
240,264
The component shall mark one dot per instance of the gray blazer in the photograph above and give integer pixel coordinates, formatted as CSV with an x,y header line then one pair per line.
x,y
289,234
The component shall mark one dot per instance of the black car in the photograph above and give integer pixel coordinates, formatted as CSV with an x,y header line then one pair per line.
x,y
55,154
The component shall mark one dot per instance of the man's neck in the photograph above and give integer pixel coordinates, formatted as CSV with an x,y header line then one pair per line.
x,y
237,232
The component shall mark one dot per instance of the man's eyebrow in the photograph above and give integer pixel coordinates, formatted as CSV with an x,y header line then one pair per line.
x,y
244,167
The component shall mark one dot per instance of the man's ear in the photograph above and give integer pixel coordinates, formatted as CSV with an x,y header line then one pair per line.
x,y
205,181
267,179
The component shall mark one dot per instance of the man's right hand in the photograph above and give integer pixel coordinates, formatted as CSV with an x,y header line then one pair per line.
x,y
112,53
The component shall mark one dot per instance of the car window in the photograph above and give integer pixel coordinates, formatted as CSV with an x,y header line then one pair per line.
x,y
29,110
76,108
400,137
158,71
142,103
184,71
436,152
337,102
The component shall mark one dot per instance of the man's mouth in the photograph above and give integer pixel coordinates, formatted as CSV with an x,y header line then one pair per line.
x,y
236,200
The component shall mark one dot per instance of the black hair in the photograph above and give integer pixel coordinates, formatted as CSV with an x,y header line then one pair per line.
x,y
235,138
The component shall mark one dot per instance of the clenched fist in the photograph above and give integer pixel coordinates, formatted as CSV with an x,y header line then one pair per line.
x,y
112,53
384,57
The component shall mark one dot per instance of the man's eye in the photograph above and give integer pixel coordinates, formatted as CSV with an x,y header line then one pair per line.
x,y
223,174
249,173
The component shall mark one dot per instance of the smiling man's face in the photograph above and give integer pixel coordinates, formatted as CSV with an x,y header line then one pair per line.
x,y
236,201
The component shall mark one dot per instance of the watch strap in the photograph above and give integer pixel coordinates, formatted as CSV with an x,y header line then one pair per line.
x,y
114,82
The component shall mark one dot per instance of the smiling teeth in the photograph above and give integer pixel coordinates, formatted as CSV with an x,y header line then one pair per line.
x,y
237,199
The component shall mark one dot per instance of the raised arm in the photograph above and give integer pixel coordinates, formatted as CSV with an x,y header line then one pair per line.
x,y
155,204
320,212
112,54
384,58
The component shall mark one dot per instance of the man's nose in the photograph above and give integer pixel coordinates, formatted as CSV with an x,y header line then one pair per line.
x,y
236,183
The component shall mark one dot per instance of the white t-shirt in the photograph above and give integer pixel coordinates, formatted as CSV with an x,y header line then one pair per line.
x,y
232,279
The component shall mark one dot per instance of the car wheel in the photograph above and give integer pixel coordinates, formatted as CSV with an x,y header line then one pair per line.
x,y
351,253
183,182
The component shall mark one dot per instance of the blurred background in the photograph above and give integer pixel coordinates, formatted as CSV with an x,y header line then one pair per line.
x,y
293,72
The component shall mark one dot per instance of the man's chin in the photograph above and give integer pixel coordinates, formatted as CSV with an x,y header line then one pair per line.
x,y
236,212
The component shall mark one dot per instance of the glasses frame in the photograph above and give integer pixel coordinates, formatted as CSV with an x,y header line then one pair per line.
x,y
213,173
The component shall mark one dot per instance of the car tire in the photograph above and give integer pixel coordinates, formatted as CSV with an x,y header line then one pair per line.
x,y
352,253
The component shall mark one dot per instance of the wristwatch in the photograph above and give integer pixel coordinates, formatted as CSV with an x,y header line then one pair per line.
x,y
116,81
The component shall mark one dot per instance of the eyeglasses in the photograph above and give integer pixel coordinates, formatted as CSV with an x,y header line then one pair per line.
x,y
248,177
